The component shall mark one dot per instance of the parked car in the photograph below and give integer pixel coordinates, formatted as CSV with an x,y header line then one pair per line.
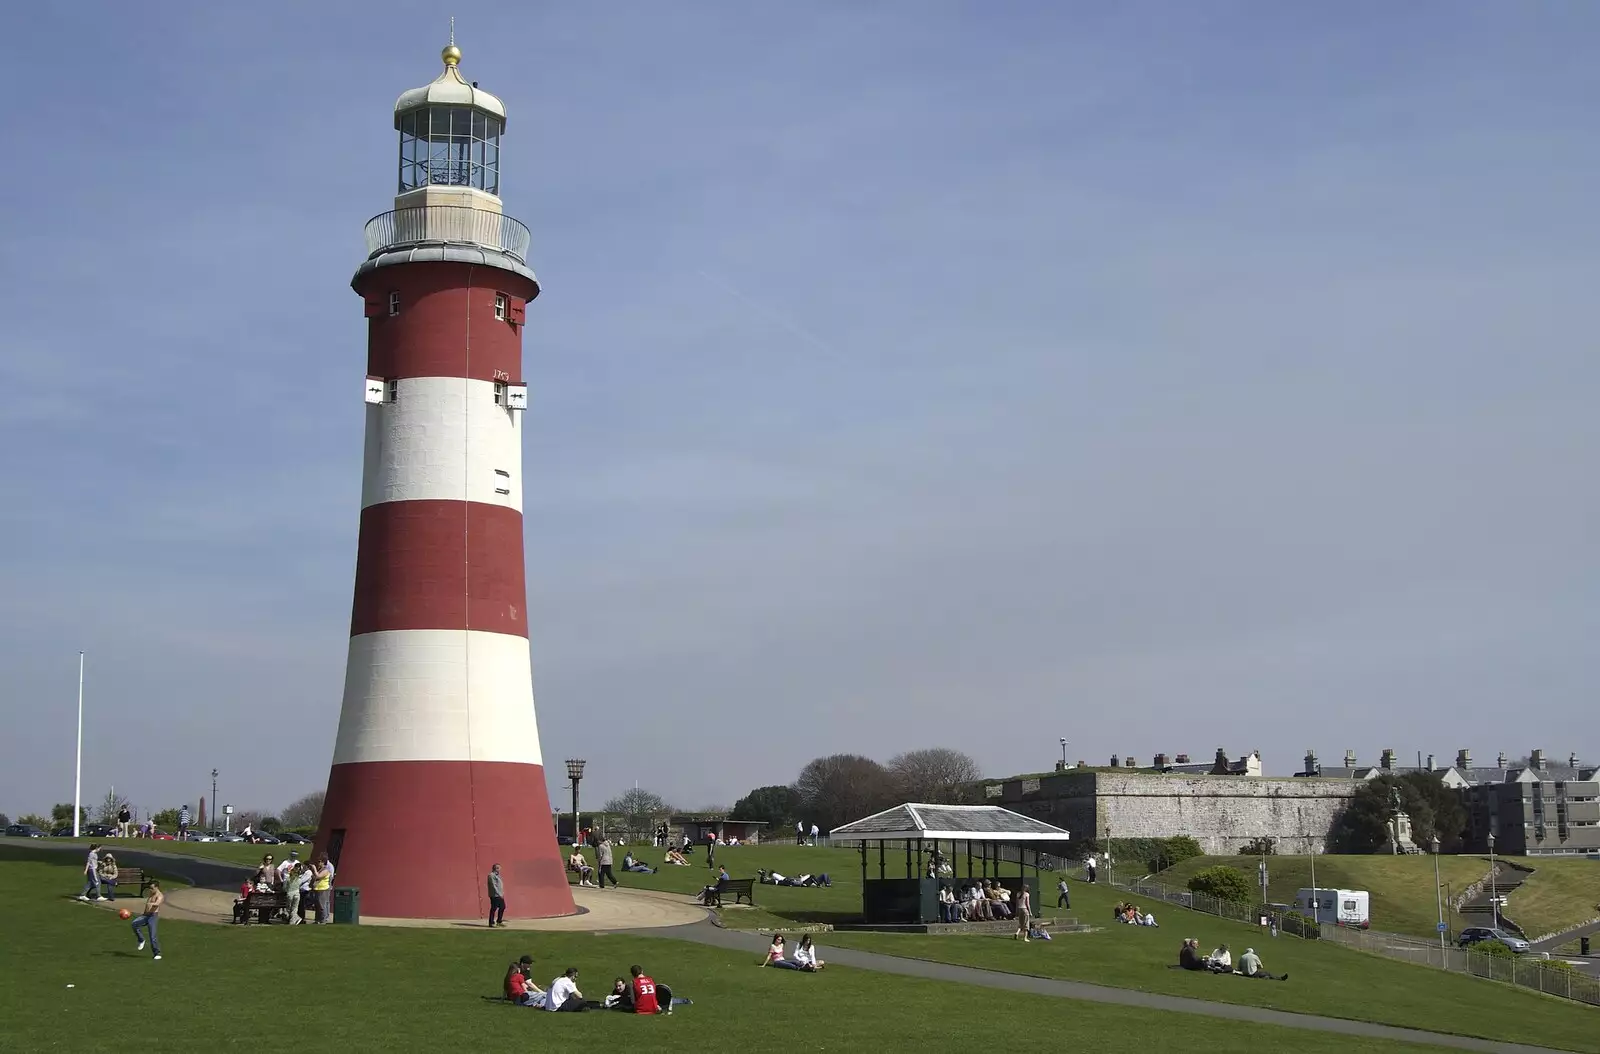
x,y
223,836
163,836
100,830
290,838
1479,934
24,830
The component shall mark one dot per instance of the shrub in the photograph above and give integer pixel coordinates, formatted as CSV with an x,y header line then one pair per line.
x,y
1495,948
1180,849
1260,847
1224,883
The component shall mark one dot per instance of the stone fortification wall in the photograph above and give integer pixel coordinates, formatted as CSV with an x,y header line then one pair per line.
x,y
1223,813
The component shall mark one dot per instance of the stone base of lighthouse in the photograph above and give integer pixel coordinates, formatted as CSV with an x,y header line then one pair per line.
x,y
418,838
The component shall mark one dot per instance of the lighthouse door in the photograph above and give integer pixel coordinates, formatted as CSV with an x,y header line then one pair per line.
x,y
335,846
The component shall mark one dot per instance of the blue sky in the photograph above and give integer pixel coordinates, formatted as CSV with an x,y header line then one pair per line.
x,y
1160,376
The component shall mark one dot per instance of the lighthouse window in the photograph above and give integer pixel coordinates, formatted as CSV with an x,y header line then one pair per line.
x,y
502,305
394,303
500,388
394,391
454,146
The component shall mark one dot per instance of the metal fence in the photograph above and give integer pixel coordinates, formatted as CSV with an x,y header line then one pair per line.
x,y
1551,978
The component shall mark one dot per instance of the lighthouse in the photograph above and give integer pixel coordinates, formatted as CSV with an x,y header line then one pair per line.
x,y
437,773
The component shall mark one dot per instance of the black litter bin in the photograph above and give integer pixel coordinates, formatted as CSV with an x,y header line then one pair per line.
x,y
1583,943
347,904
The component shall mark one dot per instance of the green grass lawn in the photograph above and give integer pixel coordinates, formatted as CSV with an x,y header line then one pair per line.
x,y
1325,979
1402,887
370,988
1559,894
228,852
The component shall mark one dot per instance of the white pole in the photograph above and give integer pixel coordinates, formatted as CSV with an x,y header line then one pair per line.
x,y
77,780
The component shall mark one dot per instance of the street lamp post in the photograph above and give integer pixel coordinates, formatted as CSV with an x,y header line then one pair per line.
x,y
1494,892
1111,867
213,796
1063,752
575,774
1438,896
1316,895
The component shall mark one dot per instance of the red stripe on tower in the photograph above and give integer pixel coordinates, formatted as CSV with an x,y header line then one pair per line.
x,y
437,773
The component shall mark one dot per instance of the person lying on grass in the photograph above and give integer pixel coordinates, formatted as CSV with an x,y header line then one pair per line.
x,y
1250,966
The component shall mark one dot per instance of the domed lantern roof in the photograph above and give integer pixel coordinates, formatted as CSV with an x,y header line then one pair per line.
x,y
449,89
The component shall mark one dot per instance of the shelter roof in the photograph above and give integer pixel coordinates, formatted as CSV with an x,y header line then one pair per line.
x,y
976,823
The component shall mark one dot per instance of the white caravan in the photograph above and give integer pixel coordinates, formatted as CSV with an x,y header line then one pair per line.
x,y
1343,907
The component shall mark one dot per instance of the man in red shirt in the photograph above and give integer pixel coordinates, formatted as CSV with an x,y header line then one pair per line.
x,y
645,993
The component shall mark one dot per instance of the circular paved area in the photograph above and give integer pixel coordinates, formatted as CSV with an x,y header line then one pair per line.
x,y
610,909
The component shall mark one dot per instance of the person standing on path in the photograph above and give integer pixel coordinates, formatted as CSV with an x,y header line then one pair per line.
x,y
322,887
91,875
1024,910
497,897
602,856
147,921
711,849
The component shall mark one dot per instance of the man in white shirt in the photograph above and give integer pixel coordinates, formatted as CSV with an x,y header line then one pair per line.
x,y
286,866
813,834
1220,961
564,994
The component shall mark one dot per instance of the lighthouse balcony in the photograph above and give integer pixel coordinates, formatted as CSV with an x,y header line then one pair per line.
x,y
447,225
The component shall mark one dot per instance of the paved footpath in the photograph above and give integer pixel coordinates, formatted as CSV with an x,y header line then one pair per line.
x,y
756,945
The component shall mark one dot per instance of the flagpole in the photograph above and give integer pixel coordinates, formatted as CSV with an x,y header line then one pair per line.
x,y
77,781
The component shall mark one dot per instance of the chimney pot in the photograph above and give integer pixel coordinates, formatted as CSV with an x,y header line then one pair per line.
x,y
1349,759
1500,761
1430,762
1182,759
1463,758
1572,761
1536,757
1116,762
1130,763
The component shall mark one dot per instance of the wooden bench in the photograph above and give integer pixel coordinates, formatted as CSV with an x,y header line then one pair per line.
x,y
134,878
264,906
741,888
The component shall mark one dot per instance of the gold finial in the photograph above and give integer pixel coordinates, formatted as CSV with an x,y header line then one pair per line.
x,y
452,54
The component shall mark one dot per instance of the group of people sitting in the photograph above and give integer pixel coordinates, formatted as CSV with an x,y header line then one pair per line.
x,y
773,878
1130,914
1221,961
638,993
805,955
302,885
985,901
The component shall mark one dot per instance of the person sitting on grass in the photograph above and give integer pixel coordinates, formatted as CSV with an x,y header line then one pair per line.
x,y
1147,919
1220,961
564,996
1250,966
806,954
675,858
633,863
641,994
1189,955
520,988
775,955
578,865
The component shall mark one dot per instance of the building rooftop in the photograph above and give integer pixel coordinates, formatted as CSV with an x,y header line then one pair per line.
x,y
975,823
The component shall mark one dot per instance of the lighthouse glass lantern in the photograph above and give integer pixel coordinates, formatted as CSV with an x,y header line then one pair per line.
x,y
450,146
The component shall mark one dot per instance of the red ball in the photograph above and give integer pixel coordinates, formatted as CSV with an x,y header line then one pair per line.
x,y
125,913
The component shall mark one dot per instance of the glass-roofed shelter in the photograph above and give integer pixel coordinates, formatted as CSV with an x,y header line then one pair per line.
x,y
933,841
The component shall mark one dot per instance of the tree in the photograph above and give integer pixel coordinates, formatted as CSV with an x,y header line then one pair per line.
x,y
33,819
937,775
165,820
61,815
5,821
774,806
842,787
1448,813
271,824
303,812
1222,882
1363,827
108,808
637,807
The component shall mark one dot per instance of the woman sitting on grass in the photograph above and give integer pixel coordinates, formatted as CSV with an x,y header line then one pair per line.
x,y
775,955
633,863
675,858
520,988
806,954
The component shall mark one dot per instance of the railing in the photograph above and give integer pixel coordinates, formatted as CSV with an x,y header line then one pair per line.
x,y
1547,977
437,224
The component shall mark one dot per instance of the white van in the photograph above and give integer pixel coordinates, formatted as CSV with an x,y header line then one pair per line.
x,y
1343,907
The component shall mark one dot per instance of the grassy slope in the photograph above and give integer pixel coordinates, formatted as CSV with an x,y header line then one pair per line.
x,y
368,988
1325,979
1401,886
1559,894
229,852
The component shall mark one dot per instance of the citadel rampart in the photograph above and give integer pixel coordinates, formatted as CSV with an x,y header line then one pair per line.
x,y
1222,813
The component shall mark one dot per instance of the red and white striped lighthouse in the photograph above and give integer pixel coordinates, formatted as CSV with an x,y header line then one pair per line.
x,y
437,773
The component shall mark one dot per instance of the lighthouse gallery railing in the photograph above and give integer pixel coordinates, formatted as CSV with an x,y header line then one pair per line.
x,y
435,224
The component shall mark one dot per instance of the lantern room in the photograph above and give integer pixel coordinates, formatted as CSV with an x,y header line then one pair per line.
x,y
449,137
